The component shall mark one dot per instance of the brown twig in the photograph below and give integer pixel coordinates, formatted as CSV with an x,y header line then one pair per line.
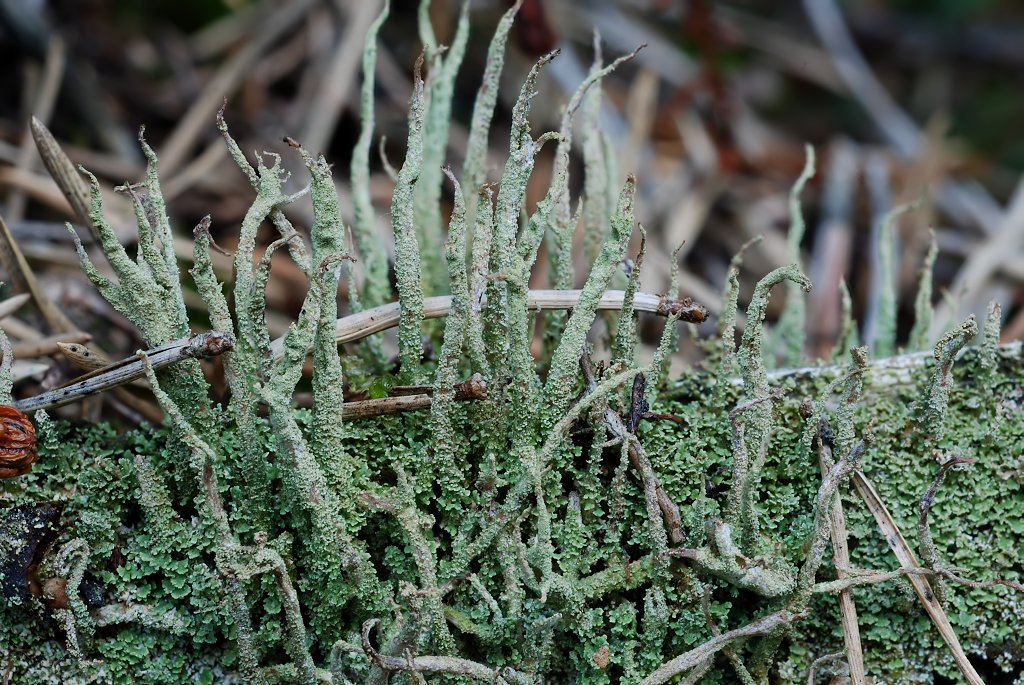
x,y
436,664
365,323
472,389
200,346
696,656
638,457
841,557
929,554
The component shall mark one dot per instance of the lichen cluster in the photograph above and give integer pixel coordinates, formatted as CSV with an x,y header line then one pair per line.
x,y
556,530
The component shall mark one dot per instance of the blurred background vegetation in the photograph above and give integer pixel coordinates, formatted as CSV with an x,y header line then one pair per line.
x,y
901,99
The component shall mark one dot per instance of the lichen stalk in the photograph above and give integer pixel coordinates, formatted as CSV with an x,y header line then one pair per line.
x,y
427,191
70,564
202,463
149,297
297,248
923,310
167,270
598,174
931,410
407,247
553,211
730,308
376,288
243,398
990,341
474,169
446,376
503,258
624,345
792,323
884,342
820,530
757,421
326,439
669,334
565,359
480,260
848,338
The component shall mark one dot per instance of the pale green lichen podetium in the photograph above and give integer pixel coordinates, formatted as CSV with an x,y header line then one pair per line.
x,y
165,270
990,341
330,556
853,389
474,168
407,247
559,388
598,173
376,287
848,338
446,376
443,67
884,342
669,335
792,324
553,212
730,308
70,564
757,421
147,293
234,561
478,279
296,246
923,310
240,373
930,411
510,287
624,345
326,439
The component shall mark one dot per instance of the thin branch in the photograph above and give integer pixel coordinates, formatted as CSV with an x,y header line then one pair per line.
x,y
202,346
907,560
358,326
841,558
698,655
437,664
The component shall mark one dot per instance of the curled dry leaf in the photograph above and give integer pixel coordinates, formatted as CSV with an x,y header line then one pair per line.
x,y
17,443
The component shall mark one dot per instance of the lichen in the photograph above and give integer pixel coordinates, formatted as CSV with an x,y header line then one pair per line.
x,y
554,529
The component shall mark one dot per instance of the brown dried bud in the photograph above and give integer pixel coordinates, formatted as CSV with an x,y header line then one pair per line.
x,y
602,657
806,407
17,442
55,593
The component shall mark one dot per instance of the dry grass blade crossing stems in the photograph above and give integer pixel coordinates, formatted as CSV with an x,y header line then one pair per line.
x,y
201,346
841,556
920,584
358,326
